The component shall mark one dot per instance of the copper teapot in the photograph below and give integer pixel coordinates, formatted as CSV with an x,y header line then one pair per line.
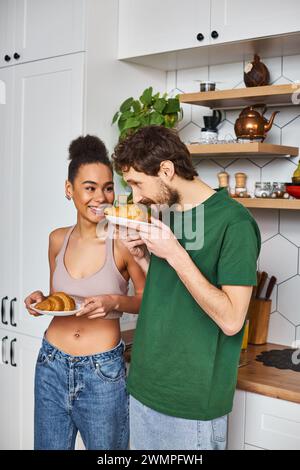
x,y
252,125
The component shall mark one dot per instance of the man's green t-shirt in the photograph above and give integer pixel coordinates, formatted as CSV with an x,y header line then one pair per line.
x,y
182,363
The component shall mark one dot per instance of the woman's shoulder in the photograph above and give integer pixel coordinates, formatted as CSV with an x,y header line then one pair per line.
x,y
56,238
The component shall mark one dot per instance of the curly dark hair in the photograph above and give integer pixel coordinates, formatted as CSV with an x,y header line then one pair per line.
x,y
86,149
148,147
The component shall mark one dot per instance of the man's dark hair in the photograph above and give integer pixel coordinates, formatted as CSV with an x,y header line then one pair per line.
x,y
86,149
148,147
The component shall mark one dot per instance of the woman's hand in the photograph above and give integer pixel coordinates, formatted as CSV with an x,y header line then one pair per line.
x,y
98,306
36,296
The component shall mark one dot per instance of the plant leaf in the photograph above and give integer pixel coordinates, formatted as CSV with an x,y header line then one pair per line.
x,y
156,119
146,97
131,123
173,106
115,117
126,105
136,106
159,105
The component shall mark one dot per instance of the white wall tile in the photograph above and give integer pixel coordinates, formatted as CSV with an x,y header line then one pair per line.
x,y
290,226
280,169
288,304
280,330
227,75
291,67
267,222
207,171
271,260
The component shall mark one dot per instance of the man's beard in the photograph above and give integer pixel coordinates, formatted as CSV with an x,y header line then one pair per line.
x,y
166,196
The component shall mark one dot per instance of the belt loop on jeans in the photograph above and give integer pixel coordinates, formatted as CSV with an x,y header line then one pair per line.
x,y
51,355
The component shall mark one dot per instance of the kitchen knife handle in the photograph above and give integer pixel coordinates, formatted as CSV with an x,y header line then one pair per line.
x,y
270,287
263,278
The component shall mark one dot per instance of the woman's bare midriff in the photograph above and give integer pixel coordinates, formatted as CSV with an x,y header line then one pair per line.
x,y
79,336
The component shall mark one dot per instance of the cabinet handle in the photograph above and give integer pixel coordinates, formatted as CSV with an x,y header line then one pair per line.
x,y
4,360
16,56
11,310
214,34
200,37
12,352
5,322
7,58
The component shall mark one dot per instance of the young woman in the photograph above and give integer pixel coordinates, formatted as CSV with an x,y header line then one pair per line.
x,y
80,370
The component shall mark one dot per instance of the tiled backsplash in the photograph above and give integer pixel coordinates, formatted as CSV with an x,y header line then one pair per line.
x,y
280,255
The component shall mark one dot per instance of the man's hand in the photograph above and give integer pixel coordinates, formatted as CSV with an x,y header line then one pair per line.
x,y
159,239
98,306
130,237
36,296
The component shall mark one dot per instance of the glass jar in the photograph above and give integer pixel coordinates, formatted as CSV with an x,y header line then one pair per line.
x,y
263,189
278,190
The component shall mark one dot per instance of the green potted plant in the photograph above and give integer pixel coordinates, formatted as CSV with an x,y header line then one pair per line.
x,y
149,109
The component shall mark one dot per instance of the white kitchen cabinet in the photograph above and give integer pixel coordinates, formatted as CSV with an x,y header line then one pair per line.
x,y
7,31
149,28
39,29
18,358
263,423
234,20
46,114
159,26
6,193
271,423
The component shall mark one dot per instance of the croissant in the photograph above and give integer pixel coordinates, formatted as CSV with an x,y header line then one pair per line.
x,y
59,301
128,211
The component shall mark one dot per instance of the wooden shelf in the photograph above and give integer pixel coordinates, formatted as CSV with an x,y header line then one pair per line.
x,y
256,149
266,203
272,95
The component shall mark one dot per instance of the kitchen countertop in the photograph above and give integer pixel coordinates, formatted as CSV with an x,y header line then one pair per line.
x,y
253,376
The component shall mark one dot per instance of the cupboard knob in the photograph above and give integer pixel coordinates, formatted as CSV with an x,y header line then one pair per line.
x,y
214,34
16,56
200,37
7,58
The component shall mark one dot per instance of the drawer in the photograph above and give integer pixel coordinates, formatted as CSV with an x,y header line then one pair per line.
x,y
272,423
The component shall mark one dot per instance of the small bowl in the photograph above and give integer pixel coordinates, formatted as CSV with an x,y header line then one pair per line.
x,y
293,190
207,86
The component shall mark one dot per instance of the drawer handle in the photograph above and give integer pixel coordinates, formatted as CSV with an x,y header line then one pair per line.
x,y
12,352
4,360
4,321
12,321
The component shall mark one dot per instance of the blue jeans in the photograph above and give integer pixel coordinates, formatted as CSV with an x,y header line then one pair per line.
x,y
80,393
151,430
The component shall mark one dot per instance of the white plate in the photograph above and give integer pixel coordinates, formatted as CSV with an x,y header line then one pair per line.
x,y
57,313
124,221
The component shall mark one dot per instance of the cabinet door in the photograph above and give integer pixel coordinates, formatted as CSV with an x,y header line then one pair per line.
x,y
235,20
7,31
17,366
49,28
158,26
47,115
271,423
6,190
9,394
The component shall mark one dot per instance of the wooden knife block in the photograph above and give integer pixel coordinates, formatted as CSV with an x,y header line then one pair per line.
x,y
259,316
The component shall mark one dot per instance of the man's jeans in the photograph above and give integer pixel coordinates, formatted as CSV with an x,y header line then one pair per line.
x,y
150,430
80,393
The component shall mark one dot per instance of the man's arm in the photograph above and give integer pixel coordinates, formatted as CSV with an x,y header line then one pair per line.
x,y
227,307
